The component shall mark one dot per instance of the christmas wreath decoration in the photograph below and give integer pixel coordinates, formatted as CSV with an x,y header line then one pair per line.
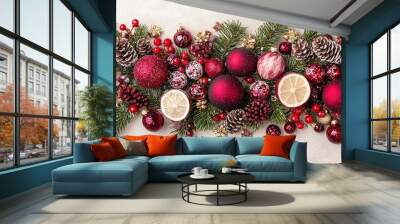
x,y
228,80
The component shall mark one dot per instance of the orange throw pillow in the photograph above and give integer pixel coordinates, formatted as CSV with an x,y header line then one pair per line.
x,y
161,145
277,145
116,145
103,152
135,137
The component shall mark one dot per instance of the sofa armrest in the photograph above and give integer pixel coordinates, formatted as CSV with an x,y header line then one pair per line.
x,y
83,152
298,155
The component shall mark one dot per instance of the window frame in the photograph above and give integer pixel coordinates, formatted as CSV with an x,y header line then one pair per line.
x,y
16,114
388,74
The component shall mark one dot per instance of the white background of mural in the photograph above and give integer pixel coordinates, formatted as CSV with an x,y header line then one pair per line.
x,y
170,16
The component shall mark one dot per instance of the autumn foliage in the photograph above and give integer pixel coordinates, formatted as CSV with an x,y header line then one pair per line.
x,y
33,131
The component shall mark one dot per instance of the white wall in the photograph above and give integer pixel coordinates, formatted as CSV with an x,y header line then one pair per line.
x,y
170,16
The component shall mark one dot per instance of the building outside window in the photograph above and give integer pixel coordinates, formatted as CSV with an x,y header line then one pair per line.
x,y
385,95
56,127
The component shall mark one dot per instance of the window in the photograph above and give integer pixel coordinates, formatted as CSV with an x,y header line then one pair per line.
x,y
385,95
42,123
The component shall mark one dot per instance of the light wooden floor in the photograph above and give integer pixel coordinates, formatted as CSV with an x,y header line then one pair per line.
x,y
351,181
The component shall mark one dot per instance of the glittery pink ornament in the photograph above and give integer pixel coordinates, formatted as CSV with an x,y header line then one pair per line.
x,y
151,71
259,89
197,91
178,80
194,70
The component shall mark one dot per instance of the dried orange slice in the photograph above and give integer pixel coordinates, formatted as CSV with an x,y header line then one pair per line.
x,y
175,105
293,90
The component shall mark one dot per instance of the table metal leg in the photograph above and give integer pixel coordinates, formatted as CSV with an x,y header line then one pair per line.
x,y
217,194
195,188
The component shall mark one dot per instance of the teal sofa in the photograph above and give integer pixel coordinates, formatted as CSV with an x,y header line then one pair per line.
x,y
125,176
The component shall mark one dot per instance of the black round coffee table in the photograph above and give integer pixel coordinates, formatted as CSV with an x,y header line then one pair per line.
x,y
238,179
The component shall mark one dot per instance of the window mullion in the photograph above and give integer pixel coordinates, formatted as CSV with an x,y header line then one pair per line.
x,y
50,81
389,101
73,82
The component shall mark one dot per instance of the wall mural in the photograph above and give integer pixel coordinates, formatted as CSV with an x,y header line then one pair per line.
x,y
228,80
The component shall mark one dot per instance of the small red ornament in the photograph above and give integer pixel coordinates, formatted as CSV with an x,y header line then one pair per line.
x,y
315,73
213,67
153,120
226,92
259,89
295,117
184,55
122,27
201,60
184,62
334,133
222,116
171,49
204,80
189,133
181,69
273,129
216,118
157,41
197,91
182,38
300,125
298,110
308,119
339,40
249,79
176,61
289,127
321,113
271,65
133,108
135,22
156,50
332,95
190,126
285,47
316,107
333,71
318,127
241,62
167,42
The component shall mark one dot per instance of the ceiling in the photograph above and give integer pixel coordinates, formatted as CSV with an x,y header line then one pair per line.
x,y
331,16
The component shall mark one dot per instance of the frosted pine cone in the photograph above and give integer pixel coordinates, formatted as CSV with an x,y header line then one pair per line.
x,y
257,110
301,50
143,46
234,120
126,54
327,50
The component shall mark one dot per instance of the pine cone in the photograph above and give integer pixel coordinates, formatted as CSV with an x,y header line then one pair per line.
x,y
234,120
327,50
130,95
126,54
143,46
301,50
257,110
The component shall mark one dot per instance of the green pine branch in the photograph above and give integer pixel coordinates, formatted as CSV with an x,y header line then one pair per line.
x,y
278,113
294,65
229,36
123,117
309,35
140,32
203,118
268,35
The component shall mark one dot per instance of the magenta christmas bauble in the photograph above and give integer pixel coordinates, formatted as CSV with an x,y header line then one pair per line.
x,y
332,95
241,62
333,71
273,129
226,92
213,67
182,38
194,70
197,91
153,120
315,73
178,80
271,65
318,127
285,47
289,127
334,133
259,89
151,71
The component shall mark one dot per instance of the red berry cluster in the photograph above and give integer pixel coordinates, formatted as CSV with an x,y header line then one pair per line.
x,y
135,23
202,50
219,117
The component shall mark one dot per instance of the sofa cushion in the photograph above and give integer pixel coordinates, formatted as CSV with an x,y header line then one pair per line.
x,y
249,145
103,152
257,163
208,145
277,145
112,171
185,163
116,145
159,145
83,152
